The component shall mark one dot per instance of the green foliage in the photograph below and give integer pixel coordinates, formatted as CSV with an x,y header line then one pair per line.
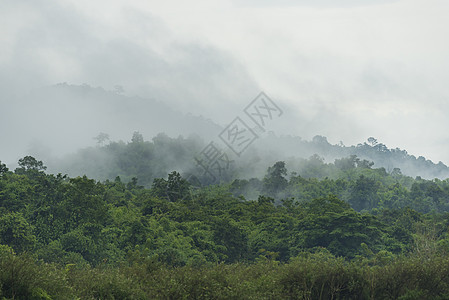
x,y
360,233
29,164
22,278
174,189
16,232
3,169
275,180
317,275
103,283
330,223
364,194
140,159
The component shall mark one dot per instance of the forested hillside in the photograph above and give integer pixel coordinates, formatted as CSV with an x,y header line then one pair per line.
x,y
343,230
224,149
147,160
77,113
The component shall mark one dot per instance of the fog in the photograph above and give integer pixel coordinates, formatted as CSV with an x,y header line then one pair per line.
x,y
72,69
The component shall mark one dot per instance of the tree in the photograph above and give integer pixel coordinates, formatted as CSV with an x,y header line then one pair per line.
x,y
83,202
3,169
16,232
228,233
364,193
178,187
133,184
396,173
365,164
101,138
319,139
330,222
137,137
372,141
275,180
29,164
174,189
347,163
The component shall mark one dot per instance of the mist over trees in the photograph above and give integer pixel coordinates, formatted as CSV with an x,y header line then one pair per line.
x,y
146,160
92,115
57,120
139,219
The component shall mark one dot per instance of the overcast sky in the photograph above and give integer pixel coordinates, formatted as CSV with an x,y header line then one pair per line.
x,y
347,70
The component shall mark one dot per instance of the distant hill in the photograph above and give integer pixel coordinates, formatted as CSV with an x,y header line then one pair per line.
x,y
64,117
147,160
372,150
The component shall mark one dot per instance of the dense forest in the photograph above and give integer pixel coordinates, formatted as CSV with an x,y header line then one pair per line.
x,y
147,160
304,229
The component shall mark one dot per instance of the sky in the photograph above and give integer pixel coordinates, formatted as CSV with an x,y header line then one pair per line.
x,y
346,69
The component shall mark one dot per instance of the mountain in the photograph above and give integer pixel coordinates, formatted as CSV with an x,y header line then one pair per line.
x,y
372,151
59,119
52,122
147,160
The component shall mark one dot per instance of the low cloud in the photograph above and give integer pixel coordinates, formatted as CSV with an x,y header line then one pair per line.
x,y
346,71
